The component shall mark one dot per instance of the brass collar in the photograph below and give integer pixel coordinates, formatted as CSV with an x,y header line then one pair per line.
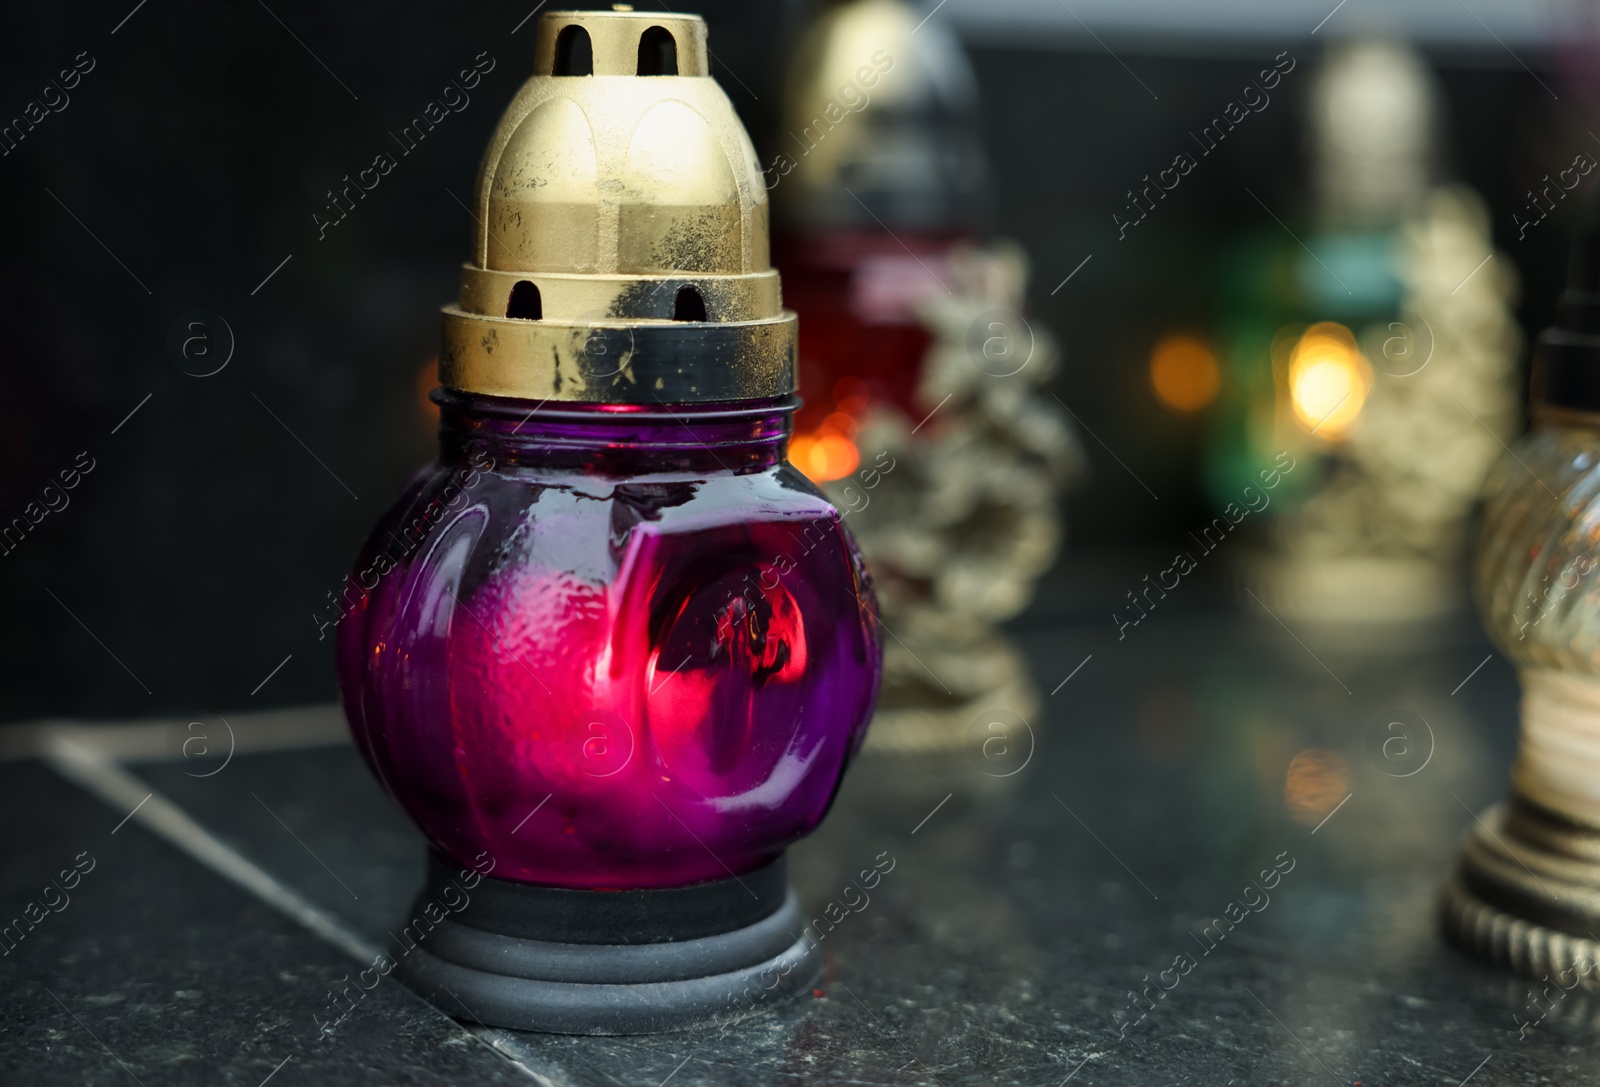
x,y
621,252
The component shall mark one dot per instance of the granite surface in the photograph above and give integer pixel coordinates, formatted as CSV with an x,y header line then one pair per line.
x,y
1211,860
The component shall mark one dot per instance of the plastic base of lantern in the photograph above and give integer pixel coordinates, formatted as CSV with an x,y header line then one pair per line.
x,y
1526,894
607,962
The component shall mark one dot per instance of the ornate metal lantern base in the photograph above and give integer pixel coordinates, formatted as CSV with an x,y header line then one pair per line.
x,y
1526,894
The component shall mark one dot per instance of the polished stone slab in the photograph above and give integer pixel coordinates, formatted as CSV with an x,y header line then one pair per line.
x,y
1208,792
149,968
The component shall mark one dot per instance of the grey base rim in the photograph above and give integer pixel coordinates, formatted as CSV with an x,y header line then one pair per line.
x,y
507,981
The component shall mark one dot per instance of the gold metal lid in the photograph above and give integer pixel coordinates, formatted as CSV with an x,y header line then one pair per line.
x,y
621,252
880,124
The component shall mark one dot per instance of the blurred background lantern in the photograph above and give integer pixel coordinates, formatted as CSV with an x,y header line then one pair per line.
x,y
1374,340
925,416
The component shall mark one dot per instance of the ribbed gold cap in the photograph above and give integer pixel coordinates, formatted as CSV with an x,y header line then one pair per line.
x,y
621,252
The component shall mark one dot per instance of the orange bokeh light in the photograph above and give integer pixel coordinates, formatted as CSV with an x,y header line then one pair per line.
x,y
427,381
1318,780
824,456
1184,373
829,451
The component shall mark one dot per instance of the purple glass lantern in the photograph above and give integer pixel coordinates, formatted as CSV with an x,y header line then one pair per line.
x,y
613,653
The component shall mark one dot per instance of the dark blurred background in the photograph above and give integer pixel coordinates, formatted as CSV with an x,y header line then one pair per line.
x,y
189,162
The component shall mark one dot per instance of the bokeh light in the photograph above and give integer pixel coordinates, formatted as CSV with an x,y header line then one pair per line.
x,y
1184,373
824,456
1329,380
828,451
1317,781
427,381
